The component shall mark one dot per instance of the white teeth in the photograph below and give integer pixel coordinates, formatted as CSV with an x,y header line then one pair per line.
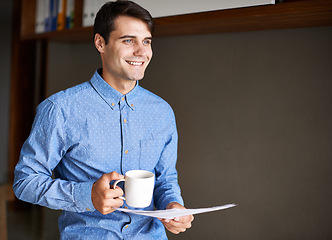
x,y
135,63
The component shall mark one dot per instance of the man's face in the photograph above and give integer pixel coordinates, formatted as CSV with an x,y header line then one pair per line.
x,y
128,51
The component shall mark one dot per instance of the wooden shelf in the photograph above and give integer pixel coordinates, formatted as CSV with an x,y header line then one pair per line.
x,y
78,34
289,14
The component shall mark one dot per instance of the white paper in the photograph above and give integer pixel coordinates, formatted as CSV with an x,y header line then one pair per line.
x,y
172,213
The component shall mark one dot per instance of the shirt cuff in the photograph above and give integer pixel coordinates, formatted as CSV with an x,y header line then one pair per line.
x,y
82,197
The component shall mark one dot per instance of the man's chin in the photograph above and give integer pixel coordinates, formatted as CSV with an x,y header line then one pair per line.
x,y
136,78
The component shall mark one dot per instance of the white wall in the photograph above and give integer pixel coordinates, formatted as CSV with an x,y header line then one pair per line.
x,y
161,8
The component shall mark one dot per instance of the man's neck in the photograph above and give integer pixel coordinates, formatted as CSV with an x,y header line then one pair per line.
x,y
123,87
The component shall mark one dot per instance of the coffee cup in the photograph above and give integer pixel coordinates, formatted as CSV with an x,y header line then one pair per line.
x,y
138,188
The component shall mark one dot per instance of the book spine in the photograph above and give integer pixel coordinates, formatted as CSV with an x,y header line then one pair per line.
x,y
40,23
47,16
70,10
87,11
61,19
54,14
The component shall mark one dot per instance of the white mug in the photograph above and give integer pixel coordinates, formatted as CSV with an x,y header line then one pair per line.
x,y
139,185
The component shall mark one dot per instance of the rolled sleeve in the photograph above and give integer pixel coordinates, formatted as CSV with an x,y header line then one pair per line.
x,y
170,199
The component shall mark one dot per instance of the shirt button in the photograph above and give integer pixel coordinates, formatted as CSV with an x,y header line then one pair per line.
x,y
132,105
125,207
113,104
88,209
125,120
122,98
127,226
126,152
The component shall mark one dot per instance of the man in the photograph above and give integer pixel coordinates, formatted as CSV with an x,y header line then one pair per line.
x,y
93,133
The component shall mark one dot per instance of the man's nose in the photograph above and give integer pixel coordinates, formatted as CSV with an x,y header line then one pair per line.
x,y
140,50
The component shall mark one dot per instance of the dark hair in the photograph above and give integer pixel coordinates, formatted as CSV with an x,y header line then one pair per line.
x,y
105,18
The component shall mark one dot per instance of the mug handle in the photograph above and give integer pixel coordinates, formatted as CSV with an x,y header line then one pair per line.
x,y
114,186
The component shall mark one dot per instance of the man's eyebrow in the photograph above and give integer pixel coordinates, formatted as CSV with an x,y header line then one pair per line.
x,y
131,36
127,36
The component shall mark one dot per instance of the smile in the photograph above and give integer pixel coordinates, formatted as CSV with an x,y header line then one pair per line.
x,y
135,63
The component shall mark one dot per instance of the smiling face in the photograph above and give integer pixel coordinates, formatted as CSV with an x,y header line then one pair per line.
x,y
127,53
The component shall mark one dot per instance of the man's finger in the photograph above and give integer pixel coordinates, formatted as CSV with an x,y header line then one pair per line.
x,y
112,176
112,193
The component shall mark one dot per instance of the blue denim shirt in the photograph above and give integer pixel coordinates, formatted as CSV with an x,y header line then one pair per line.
x,y
92,129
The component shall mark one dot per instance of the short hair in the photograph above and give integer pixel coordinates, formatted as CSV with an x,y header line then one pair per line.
x,y
106,16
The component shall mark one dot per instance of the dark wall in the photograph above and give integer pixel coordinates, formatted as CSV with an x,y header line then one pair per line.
x,y
254,119
5,63
254,113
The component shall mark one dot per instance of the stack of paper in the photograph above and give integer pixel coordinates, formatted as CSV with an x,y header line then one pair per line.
x,y
175,212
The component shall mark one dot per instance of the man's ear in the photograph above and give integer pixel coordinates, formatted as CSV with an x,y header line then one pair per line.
x,y
99,43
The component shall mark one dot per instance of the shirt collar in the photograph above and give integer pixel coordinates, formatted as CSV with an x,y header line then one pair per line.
x,y
109,94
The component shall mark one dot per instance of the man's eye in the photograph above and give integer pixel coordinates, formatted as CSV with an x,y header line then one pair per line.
x,y
128,41
147,42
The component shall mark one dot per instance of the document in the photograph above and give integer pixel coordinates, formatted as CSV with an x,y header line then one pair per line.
x,y
172,213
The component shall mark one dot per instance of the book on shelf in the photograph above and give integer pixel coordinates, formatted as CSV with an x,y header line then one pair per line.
x,y
61,16
86,13
53,15
40,17
90,9
47,16
70,9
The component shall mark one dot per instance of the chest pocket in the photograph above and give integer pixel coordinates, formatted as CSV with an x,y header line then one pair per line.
x,y
150,153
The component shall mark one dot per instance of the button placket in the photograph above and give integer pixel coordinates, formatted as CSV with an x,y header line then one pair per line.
x,y
124,133
126,228
125,137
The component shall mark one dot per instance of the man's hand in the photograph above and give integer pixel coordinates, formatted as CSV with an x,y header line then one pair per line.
x,y
104,198
178,224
